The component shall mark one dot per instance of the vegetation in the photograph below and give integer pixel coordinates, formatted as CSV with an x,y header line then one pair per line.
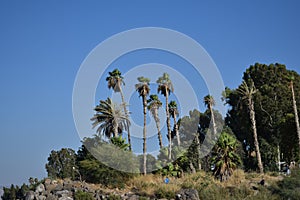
x,y
261,130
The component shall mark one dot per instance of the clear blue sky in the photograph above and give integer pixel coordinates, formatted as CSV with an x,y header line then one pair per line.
x,y
43,43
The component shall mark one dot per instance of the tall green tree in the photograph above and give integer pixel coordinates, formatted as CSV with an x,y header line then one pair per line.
x,y
110,119
61,164
153,105
143,89
210,102
173,110
247,93
115,81
225,157
165,87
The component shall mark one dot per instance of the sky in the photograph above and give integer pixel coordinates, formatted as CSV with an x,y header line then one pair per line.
x,y
44,43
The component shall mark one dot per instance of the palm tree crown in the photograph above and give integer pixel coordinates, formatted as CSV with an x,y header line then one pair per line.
x,y
115,80
164,85
110,118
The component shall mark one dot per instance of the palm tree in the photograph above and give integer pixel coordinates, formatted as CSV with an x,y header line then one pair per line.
x,y
110,118
165,87
295,108
153,105
210,102
143,89
174,113
247,93
224,157
115,81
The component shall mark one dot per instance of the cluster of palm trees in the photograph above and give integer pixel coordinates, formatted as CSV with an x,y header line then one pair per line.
x,y
112,119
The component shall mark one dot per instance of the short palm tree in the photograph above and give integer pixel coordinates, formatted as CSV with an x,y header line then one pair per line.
x,y
115,81
110,118
247,93
165,87
224,157
210,102
143,89
174,113
295,108
153,105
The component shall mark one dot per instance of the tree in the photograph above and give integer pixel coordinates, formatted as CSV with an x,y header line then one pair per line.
x,y
247,93
165,87
153,105
210,102
225,159
110,118
295,109
143,89
115,81
174,113
61,164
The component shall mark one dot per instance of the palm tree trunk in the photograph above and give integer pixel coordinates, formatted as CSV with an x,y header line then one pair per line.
x,y
156,118
115,129
253,122
213,121
127,115
144,135
296,113
168,125
198,151
176,130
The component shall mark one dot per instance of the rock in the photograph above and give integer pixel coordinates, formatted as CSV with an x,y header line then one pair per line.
x,y
187,194
29,195
51,197
68,185
40,188
63,193
41,197
58,187
65,198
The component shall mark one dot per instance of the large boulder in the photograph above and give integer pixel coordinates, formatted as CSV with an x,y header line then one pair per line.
x,y
40,188
187,194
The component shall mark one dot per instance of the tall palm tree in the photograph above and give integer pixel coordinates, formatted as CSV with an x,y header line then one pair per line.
x,y
174,113
110,118
153,105
209,103
295,108
247,93
224,157
115,81
165,87
143,89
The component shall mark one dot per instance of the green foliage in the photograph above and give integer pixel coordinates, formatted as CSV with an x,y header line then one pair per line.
x,y
273,107
62,164
288,188
115,80
224,156
94,171
110,118
15,192
80,195
162,192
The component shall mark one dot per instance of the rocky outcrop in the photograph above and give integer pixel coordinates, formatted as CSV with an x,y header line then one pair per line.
x,y
187,194
66,190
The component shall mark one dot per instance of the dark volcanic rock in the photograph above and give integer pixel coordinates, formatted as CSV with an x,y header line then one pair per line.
x,y
187,194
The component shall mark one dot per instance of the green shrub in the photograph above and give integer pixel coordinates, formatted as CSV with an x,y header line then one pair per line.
x,y
163,193
80,195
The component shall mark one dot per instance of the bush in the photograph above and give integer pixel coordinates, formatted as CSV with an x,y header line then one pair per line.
x,y
164,193
80,195
288,188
